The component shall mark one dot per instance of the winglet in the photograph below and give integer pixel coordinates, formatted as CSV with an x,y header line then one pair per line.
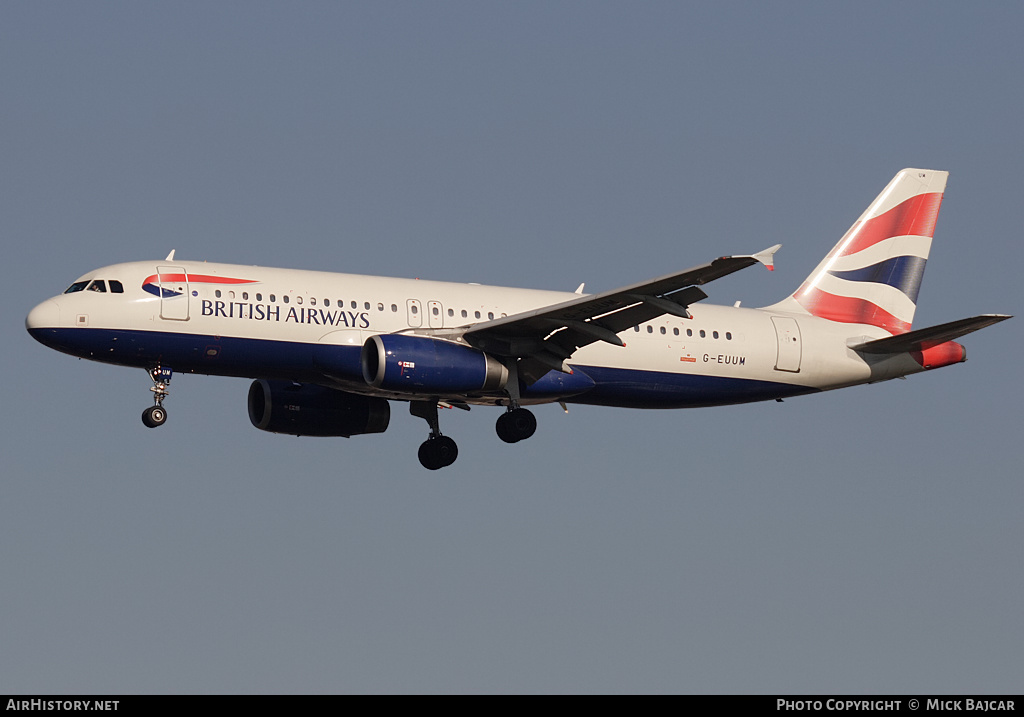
x,y
767,257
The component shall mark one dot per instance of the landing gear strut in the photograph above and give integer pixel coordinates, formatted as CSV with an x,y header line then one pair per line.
x,y
437,451
156,415
516,424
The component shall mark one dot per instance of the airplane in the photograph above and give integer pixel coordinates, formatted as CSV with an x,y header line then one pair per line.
x,y
328,352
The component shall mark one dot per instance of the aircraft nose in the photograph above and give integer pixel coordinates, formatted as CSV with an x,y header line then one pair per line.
x,y
44,316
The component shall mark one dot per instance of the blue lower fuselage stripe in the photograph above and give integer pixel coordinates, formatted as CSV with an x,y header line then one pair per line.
x,y
630,388
319,363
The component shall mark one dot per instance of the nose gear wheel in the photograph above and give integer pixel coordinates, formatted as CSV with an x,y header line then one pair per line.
x,y
156,415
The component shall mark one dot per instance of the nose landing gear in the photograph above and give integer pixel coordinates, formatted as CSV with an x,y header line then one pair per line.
x,y
156,415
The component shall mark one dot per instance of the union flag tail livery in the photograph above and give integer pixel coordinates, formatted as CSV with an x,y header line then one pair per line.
x,y
872,276
329,353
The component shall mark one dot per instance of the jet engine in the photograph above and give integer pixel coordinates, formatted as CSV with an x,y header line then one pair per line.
x,y
311,410
419,364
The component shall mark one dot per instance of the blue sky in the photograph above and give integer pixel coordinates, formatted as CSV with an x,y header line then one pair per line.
x,y
866,540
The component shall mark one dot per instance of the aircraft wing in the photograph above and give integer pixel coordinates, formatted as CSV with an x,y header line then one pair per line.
x,y
544,338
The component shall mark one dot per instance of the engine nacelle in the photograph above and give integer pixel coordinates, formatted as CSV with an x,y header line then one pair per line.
x,y
310,410
419,364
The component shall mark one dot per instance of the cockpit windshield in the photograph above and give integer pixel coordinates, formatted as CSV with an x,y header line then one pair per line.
x,y
97,285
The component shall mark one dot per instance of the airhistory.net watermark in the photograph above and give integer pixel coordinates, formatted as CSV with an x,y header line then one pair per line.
x,y
40,705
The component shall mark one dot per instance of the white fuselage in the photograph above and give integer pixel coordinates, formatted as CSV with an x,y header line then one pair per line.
x,y
258,322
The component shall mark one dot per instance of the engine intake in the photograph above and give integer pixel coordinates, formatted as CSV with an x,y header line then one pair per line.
x,y
310,410
418,364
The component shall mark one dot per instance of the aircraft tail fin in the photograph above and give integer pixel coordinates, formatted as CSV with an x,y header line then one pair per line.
x,y
872,276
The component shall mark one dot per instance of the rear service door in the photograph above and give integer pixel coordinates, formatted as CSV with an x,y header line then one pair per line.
x,y
788,333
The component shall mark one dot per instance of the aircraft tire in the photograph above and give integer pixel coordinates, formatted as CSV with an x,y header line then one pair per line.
x,y
154,416
439,452
516,425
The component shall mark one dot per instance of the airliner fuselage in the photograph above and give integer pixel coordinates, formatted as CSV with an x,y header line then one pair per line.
x,y
328,351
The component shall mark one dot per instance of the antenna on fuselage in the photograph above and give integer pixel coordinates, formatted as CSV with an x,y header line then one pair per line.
x,y
170,257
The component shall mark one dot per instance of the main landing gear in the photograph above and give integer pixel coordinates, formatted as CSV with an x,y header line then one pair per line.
x,y
156,415
517,424
438,451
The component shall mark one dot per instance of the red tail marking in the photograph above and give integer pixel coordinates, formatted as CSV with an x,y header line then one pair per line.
x,y
915,217
849,310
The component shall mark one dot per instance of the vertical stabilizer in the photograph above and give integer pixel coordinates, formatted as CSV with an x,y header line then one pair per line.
x,y
872,276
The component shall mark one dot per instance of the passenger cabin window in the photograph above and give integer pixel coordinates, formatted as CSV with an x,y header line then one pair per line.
x,y
77,286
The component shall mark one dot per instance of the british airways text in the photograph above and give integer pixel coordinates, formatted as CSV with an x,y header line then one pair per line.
x,y
296,314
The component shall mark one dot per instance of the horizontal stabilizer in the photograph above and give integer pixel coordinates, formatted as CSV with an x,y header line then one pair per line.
x,y
923,339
